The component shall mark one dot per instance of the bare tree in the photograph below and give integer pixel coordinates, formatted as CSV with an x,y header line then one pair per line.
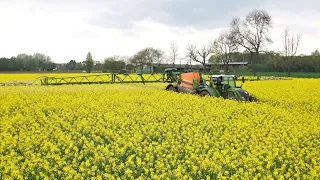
x,y
291,45
159,57
115,57
125,59
225,46
140,59
204,53
97,66
147,56
173,52
253,33
150,53
191,53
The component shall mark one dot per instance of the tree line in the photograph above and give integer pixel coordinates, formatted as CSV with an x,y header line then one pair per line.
x,y
25,62
264,62
244,40
276,62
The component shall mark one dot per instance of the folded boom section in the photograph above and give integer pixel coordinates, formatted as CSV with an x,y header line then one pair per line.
x,y
109,78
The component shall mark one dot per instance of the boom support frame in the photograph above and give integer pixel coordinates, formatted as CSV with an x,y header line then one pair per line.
x,y
110,78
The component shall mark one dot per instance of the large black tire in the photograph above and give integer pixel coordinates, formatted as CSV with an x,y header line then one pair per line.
x,y
253,99
171,88
204,93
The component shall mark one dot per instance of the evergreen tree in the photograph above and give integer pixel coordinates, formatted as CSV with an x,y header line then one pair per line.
x,y
89,63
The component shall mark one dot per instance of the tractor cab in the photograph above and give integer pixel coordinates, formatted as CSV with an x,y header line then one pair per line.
x,y
226,85
226,81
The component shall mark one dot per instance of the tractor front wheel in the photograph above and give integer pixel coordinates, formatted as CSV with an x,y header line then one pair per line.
x,y
204,93
253,99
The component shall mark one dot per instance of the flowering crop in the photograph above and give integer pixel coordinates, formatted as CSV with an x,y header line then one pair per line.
x,y
134,131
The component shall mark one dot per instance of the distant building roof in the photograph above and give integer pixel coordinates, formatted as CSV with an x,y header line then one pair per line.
x,y
198,66
184,66
232,63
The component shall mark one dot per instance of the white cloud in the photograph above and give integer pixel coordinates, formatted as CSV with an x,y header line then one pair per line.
x,y
61,30
306,23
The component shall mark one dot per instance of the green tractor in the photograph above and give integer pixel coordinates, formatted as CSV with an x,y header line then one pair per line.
x,y
219,85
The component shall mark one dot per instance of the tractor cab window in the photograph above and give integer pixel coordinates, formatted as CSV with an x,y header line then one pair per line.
x,y
230,81
214,80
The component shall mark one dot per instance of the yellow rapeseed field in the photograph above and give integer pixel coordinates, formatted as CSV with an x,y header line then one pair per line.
x,y
135,131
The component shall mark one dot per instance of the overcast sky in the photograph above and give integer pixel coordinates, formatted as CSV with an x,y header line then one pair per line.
x,y
69,29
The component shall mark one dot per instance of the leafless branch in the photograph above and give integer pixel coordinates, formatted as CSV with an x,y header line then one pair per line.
x,y
173,52
225,47
191,53
291,45
204,52
253,33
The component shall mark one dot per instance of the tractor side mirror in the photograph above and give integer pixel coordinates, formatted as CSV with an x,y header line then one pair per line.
x,y
242,79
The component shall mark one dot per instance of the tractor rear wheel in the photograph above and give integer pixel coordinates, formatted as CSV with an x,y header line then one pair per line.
x,y
204,93
171,88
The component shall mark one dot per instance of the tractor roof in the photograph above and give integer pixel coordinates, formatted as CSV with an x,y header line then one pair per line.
x,y
170,69
222,75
